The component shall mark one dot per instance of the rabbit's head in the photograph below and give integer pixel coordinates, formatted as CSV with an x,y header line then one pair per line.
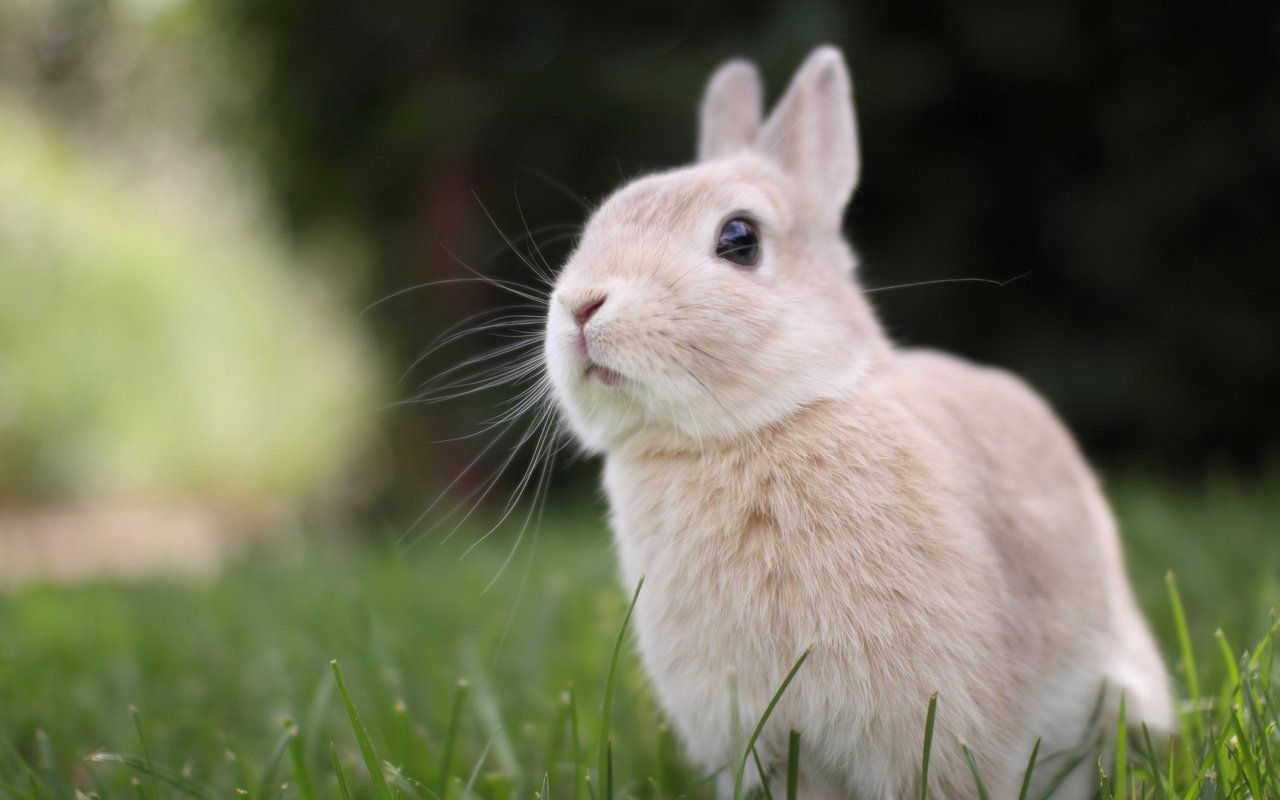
x,y
714,299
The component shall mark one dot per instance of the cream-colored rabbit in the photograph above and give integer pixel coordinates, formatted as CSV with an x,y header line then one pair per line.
x,y
783,477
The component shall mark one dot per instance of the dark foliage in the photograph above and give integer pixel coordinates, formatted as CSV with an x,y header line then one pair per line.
x,y
1120,159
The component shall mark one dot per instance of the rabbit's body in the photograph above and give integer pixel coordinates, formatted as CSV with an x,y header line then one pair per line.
x,y
908,565
784,478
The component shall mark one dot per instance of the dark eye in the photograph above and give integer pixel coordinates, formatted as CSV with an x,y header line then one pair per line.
x,y
739,242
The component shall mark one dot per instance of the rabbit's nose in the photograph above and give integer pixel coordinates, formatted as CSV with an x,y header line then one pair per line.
x,y
584,312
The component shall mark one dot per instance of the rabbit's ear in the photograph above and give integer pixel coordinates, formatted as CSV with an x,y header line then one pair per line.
x,y
731,110
812,133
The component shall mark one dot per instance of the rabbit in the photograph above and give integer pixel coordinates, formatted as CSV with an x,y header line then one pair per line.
x,y
784,478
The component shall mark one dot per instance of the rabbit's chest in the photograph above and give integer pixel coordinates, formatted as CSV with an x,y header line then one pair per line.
x,y
731,580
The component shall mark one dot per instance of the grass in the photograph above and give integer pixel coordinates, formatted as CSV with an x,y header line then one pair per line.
x,y
337,670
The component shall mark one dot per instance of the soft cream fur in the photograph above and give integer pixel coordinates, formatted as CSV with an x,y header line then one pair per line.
x,y
783,477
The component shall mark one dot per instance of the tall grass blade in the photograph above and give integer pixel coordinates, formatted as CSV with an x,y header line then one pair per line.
x,y
486,705
371,762
13,792
343,788
580,769
317,711
451,738
273,763
768,711
1233,689
48,764
146,752
1243,753
1026,775
298,758
735,728
475,772
1188,657
929,719
793,764
184,785
764,778
1121,769
607,708
977,774
608,775
558,726
1148,753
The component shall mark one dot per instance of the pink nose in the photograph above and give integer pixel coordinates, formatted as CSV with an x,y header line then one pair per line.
x,y
587,310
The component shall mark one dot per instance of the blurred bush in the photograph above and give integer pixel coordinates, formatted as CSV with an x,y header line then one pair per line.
x,y
157,351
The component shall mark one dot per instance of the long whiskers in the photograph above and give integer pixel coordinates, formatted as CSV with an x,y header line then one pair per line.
x,y
991,281
523,426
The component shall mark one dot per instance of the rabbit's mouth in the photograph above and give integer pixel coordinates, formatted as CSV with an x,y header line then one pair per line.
x,y
604,375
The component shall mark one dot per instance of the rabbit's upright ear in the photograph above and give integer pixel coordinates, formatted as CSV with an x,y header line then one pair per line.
x,y
812,133
731,110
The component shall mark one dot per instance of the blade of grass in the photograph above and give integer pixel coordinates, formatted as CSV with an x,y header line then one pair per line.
x,y
929,719
313,724
36,792
1262,732
793,764
146,753
768,711
1198,786
558,725
1121,769
608,775
184,785
764,779
668,766
475,772
1026,775
1152,762
1188,657
400,782
13,792
371,762
1108,791
301,773
1243,753
485,702
268,779
580,769
735,727
343,788
48,764
451,738
977,774
1233,689
233,753
607,708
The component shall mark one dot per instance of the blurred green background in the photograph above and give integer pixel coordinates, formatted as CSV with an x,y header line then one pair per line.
x,y
199,198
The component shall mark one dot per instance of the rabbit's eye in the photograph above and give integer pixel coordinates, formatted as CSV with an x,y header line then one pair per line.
x,y
739,242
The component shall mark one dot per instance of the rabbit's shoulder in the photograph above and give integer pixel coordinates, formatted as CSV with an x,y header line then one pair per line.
x,y
986,417
1021,473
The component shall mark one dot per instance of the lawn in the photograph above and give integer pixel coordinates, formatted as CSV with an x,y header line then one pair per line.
x,y
227,688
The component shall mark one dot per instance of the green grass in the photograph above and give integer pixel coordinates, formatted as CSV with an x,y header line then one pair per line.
x,y
158,690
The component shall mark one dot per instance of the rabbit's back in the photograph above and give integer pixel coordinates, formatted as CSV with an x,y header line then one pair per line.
x,y
1042,510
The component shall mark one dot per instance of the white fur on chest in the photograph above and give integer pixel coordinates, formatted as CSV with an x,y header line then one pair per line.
x,y
739,575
